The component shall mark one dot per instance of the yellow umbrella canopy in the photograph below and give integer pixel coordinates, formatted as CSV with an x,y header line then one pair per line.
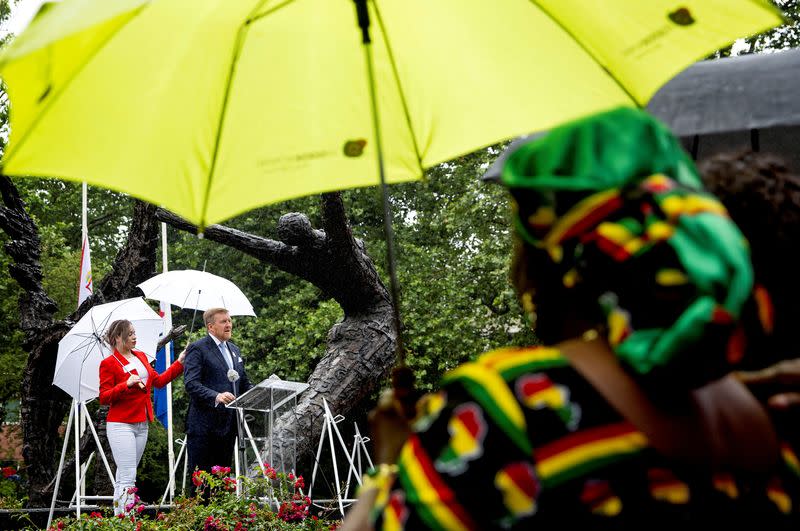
x,y
213,107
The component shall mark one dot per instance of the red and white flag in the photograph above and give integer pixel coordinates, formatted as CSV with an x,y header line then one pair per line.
x,y
85,282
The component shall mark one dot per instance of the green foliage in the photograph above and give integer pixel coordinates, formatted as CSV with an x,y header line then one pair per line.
x,y
781,38
288,338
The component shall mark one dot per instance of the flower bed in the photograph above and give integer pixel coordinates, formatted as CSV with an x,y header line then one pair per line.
x,y
272,501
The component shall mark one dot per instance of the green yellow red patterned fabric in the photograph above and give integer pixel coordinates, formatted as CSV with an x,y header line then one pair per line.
x,y
518,439
617,206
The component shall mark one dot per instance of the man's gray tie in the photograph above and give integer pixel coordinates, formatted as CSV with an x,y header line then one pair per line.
x,y
226,354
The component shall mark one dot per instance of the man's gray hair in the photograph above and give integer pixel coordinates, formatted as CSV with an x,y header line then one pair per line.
x,y
208,315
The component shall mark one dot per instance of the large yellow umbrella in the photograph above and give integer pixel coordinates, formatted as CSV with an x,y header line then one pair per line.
x,y
212,107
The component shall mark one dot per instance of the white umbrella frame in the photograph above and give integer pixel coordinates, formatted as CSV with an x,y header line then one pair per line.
x,y
82,349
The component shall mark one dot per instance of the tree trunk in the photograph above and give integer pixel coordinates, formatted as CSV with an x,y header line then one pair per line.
x,y
42,405
360,348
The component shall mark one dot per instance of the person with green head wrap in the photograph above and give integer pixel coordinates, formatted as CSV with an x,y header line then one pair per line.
x,y
641,287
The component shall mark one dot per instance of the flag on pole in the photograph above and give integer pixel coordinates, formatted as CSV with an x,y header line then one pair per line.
x,y
85,282
163,360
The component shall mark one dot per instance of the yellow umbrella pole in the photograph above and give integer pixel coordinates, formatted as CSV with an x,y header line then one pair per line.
x,y
402,377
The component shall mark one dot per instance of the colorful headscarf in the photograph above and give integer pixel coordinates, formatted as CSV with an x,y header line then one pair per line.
x,y
613,200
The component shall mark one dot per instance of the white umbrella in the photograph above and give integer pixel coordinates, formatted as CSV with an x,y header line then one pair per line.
x,y
82,349
197,290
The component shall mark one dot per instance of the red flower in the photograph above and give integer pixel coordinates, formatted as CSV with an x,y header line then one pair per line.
x,y
229,484
214,524
95,514
9,471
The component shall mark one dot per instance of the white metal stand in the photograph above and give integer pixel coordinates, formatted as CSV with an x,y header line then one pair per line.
x,y
328,429
171,486
79,495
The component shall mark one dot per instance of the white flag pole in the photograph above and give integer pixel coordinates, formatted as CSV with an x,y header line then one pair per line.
x,y
168,360
84,223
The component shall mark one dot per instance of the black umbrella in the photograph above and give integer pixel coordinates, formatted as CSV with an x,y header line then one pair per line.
x,y
723,104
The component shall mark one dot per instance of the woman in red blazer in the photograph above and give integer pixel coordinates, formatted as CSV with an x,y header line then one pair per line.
x,y
126,379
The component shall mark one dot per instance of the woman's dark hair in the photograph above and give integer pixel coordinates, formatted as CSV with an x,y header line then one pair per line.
x,y
565,312
762,196
119,328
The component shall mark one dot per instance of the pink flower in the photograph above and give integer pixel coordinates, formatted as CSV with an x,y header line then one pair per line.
x,y
220,470
133,490
139,509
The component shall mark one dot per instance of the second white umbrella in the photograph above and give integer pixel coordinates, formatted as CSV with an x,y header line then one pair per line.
x,y
197,290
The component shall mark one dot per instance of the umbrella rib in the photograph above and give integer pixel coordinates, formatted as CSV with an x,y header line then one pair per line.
x,y
237,49
186,298
52,100
396,76
269,11
586,50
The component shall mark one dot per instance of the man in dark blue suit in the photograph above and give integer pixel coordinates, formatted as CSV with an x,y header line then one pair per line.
x,y
213,376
